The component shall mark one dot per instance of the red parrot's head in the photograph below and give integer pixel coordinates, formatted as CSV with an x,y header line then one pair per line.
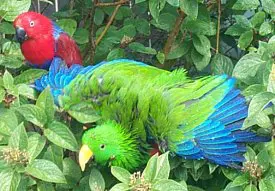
x,y
32,25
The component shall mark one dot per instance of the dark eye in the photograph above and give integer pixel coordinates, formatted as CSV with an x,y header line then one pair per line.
x,y
31,23
102,146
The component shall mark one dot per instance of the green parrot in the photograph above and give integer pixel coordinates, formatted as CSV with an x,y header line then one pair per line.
x,y
139,106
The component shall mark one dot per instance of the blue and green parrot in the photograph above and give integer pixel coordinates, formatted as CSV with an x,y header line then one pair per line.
x,y
139,105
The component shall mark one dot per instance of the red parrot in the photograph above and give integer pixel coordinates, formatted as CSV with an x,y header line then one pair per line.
x,y
42,39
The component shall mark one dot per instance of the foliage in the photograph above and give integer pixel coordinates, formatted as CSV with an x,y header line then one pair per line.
x,y
39,143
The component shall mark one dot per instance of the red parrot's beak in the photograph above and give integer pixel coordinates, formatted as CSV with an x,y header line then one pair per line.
x,y
20,34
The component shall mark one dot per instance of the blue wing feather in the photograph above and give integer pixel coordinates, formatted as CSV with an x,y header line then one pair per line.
x,y
219,138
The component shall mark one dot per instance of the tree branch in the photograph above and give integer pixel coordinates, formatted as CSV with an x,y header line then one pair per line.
x,y
92,45
112,4
173,34
218,27
109,23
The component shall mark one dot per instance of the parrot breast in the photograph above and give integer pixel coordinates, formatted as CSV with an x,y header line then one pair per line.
x,y
38,52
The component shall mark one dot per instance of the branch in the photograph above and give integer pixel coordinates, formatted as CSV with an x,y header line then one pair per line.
x,y
92,45
174,33
112,4
218,27
108,24
170,40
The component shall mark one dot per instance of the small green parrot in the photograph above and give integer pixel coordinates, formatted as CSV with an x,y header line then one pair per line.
x,y
140,106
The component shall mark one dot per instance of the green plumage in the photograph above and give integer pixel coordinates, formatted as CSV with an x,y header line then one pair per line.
x,y
139,105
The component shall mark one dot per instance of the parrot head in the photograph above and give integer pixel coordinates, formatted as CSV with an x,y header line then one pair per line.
x,y
109,144
32,25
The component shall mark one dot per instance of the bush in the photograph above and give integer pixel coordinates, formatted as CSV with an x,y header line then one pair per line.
x,y
39,143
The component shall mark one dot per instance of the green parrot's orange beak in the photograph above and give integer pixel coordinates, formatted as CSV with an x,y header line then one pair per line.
x,y
84,156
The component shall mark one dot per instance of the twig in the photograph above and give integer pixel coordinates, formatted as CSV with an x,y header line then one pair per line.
x,y
56,5
38,6
173,34
92,34
108,24
170,40
112,4
218,27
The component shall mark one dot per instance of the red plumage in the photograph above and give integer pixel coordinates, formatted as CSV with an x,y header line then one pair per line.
x,y
41,44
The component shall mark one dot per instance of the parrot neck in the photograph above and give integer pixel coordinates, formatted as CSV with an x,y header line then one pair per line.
x,y
38,51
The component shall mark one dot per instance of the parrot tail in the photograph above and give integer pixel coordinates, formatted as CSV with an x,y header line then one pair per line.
x,y
220,139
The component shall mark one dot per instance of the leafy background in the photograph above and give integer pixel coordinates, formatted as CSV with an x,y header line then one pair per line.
x,y
39,142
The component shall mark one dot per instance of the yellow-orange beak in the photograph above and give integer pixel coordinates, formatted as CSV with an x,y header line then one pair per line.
x,y
85,154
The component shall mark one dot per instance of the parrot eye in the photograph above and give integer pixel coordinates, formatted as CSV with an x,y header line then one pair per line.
x,y
102,146
31,23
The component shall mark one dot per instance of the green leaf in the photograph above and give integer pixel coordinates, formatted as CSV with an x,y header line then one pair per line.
x,y
33,114
29,76
246,4
245,39
121,174
9,9
120,187
142,26
54,153
231,174
26,90
190,8
128,30
200,61
265,29
155,6
9,180
45,170
194,188
8,121
68,25
71,171
269,6
6,28
263,159
271,80
201,44
2,94
175,3
19,138
250,154
115,54
36,143
81,35
242,25
241,180
84,113
8,80
99,17
221,64
161,57
247,67
150,170
266,185
168,185
61,135
178,49
165,21
250,187
253,90
258,19
45,186
96,180
45,101
163,167
257,105
138,47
